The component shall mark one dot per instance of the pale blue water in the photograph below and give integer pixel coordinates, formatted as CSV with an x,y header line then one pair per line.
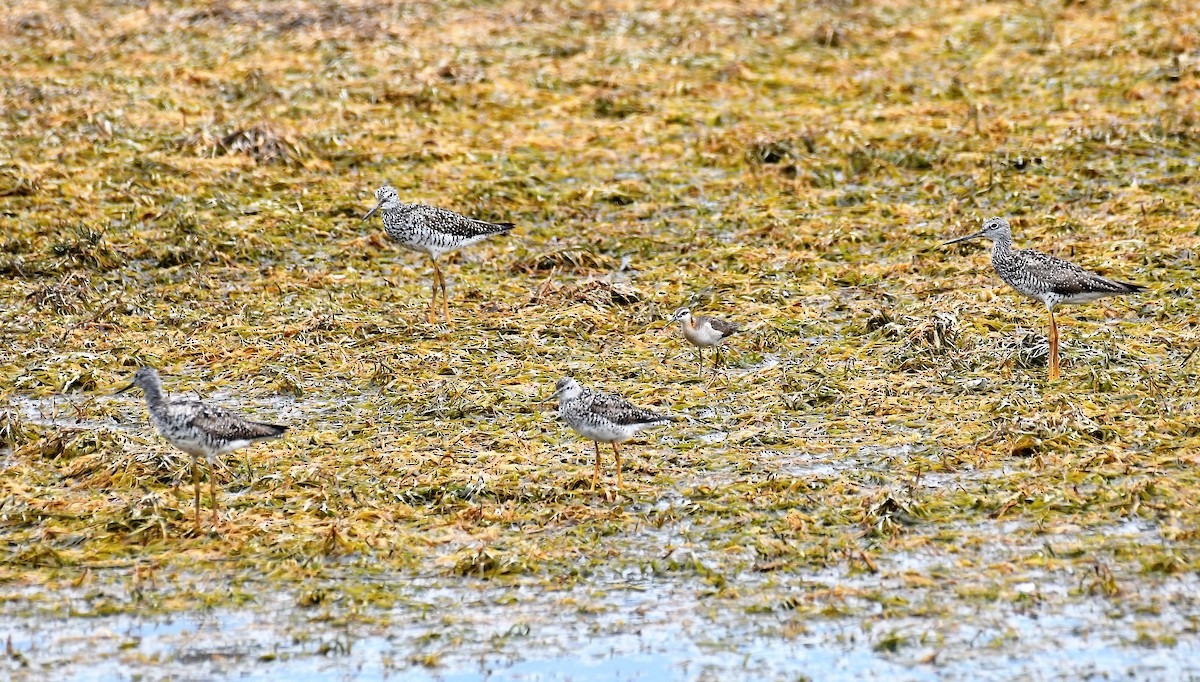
x,y
658,634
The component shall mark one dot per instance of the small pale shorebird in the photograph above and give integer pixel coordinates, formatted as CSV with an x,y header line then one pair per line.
x,y
199,430
602,418
1044,278
704,332
432,231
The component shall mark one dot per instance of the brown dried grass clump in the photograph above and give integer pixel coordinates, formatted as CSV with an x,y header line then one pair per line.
x,y
597,293
263,143
12,428
778,150
15,182
69,296
576,259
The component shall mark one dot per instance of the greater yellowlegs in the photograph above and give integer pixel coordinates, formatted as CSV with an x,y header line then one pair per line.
x,y
1045,278
198,429
602,418
704,332
432,231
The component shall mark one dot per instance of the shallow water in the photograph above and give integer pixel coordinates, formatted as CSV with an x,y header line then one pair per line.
x,y
607,630
620,622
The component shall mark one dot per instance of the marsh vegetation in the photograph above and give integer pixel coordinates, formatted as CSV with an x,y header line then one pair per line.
x,y
882,475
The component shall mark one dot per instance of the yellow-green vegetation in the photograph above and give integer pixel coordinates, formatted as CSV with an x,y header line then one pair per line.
x,y
181,186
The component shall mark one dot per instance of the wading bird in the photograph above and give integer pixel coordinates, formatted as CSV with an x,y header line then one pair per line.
x,y
704,332
432,231
198,429
602,418
1044,278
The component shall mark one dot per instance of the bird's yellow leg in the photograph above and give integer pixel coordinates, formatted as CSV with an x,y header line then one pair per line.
x,y
445,299
212,491
1053,347
433,293
196,490
617,451
596,472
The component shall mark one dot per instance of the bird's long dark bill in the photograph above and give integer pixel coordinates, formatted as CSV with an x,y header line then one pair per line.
x,y
131,385
372,211
977,235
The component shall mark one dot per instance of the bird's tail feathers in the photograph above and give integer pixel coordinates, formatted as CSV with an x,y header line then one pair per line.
x,y
271,430
501,227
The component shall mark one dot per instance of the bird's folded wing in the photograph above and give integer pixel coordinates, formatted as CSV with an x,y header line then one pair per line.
x,y
1068,279
226,425
450,222
724,327
620,411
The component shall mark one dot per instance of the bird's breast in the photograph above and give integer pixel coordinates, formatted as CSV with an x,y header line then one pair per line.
x,y
410,237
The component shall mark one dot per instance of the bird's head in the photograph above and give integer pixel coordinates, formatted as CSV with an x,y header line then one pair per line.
x,y
386,198
566,389
145,378
994,229
680,314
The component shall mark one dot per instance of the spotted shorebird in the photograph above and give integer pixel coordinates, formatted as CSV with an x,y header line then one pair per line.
x,y
602,418
704,332
198,429
1044,278
432,231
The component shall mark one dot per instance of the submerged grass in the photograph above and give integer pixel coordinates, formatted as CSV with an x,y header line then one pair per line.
x,y
181,186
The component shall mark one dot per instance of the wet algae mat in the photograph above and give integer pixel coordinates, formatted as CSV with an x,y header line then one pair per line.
x,y
881,483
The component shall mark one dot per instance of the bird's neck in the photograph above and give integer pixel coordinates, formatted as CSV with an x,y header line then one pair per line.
x,y
154,395
1002,246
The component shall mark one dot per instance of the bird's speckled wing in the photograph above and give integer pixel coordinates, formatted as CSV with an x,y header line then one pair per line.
x,y
449,222
620,411
1068,279
218,423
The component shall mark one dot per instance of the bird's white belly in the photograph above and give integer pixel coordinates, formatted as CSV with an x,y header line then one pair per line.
x,y
192,446
1051,299
419,246
1084,297
702,336
608,433
1040,297
231,445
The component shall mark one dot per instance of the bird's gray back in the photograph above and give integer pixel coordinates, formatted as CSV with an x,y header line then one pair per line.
x,y
206,430
613,409
723,327
433,230
1041,276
